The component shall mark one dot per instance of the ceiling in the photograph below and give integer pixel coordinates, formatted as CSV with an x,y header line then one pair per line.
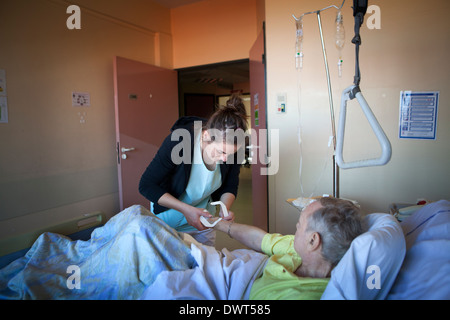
x,y
222,75
174,3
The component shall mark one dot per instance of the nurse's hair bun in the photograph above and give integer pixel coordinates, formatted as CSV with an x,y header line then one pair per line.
x,y
229,122
236,105
231,116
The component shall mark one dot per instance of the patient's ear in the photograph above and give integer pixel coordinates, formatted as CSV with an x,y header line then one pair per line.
x,y
315,241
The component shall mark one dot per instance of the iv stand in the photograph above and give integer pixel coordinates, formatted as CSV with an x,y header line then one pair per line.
x,y
333,126
330,96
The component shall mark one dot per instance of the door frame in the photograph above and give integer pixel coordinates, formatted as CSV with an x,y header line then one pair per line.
x,y
263,220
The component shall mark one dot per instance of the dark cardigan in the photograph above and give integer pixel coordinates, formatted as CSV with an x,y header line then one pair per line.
x,y
164,176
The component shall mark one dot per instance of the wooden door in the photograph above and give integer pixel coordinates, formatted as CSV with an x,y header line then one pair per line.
x,y
146,107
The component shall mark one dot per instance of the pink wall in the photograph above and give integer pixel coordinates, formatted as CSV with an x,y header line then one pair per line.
x,y
213,31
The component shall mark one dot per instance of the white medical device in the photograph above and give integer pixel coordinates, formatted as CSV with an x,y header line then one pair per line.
x,y
206,223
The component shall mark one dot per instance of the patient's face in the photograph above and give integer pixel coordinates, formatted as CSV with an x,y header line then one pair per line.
x,y
301,238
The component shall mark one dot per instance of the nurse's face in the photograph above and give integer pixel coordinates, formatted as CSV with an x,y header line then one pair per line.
x,y
216,151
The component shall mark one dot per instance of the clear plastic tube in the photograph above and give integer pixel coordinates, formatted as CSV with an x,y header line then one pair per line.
x,y
299,44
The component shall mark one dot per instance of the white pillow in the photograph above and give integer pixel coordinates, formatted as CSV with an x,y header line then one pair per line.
x,y
369,267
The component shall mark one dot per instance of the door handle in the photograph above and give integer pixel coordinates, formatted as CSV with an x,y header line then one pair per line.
x,y
127,149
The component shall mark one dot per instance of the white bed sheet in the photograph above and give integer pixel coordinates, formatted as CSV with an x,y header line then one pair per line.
x,y
220,275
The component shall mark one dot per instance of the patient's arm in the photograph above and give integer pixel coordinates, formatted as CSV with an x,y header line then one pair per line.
x,y
249,236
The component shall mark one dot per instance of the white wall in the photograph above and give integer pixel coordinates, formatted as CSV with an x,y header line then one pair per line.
x,y
207,32
52,167
409,52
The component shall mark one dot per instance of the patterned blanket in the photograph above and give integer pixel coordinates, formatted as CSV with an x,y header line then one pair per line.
x,y
121,259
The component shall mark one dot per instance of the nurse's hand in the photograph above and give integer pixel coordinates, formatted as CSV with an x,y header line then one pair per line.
x,y
193,215
227,199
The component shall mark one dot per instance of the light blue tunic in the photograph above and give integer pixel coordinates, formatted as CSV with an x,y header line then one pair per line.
x,y
202,183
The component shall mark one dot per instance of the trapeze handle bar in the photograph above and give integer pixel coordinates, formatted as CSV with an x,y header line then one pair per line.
x,y
386,150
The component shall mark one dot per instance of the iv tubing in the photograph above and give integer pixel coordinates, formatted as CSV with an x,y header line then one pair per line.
x,y
330,93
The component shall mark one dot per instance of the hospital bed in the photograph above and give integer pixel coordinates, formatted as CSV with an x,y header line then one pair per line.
x,y
137,256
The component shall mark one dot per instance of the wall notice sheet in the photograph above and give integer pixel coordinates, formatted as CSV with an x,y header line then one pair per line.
x,y
418,114
3,109
3,98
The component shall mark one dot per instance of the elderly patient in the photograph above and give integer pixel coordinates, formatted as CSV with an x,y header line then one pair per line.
x,y
136,255
300,265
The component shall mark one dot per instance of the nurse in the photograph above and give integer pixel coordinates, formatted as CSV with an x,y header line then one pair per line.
x,y
197,163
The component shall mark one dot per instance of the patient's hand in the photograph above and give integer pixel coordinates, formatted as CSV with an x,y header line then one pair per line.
x,y
212,219
230,216
210,222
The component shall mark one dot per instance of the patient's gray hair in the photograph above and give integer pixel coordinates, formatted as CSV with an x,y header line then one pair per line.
x,y
338,222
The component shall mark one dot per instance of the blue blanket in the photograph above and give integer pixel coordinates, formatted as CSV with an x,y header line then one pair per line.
x,y
120,260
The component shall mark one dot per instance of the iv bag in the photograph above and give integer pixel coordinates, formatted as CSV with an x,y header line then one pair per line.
x,y
340,39
299,44
340,31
